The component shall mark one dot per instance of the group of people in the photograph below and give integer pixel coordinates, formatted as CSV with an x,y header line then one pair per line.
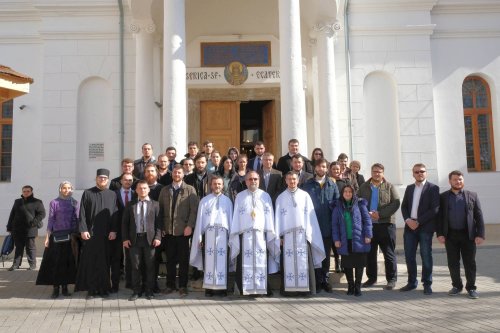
x,y
237,220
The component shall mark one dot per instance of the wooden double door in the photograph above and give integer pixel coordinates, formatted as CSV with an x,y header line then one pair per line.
x,y
220,122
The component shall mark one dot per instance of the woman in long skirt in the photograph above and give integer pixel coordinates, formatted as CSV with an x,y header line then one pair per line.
x,y
58,266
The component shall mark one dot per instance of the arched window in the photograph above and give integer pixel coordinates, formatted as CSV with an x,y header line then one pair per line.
x,y
6,140
478,124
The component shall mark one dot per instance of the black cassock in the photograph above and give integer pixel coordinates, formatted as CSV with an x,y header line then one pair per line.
x,y
98,216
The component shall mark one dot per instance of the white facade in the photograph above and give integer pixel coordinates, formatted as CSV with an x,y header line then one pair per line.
x,y
392,94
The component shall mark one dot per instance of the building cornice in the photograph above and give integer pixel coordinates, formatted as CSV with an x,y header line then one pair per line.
x,y
391,5
467,7
469,33
424,29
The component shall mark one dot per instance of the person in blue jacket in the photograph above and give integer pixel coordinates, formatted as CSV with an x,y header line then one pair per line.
x,y
352,233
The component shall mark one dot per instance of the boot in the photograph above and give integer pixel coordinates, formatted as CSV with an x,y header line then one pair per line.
x,y
357,284
350,281
357,288
350,289
65,290
55,292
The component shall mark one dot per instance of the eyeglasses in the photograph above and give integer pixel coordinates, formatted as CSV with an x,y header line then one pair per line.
x,y
253,179
188,164
128,180
419,171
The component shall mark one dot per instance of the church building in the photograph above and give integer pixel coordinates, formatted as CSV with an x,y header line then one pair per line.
x,y
390,81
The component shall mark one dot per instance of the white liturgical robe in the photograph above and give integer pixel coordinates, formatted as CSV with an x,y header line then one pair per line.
x,y
259,246
297,223
213,221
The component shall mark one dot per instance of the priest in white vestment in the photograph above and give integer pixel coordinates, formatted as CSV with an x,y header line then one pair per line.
x,y
210,239
253,242
302,245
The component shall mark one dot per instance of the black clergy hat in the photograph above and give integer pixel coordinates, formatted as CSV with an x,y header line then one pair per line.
x,y
102,172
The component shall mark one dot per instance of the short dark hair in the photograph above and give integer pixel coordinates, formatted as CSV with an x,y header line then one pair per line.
x,y
342,156
214,176
291,172
420,165
378,165
455,173
146,144
179,166
170,148
142,181
198,156
293,141
258,143
297,156
321,161
150,165
28,186
192,143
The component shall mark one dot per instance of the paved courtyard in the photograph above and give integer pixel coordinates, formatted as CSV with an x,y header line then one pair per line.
x,y
25,307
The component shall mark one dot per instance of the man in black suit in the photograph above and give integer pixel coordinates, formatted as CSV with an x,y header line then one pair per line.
x,y
124,195
460,228
171,153
255,163
419,208
298,165
285,161
271,179
127,168
141,163
141,234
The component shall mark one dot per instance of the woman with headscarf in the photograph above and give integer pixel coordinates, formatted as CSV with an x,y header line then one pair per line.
x,y
352,233
58,266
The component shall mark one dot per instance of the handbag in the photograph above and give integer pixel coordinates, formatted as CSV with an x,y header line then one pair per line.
x,y
61,236
8,245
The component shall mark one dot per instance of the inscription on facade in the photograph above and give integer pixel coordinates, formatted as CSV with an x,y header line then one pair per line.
x,y
96,151
204,76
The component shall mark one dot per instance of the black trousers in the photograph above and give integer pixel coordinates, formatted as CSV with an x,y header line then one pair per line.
x,y
323,272
115,260
177,249
384,236
142,254
458,244
20,243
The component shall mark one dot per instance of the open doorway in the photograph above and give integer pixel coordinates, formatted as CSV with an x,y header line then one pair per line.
x,y
240,124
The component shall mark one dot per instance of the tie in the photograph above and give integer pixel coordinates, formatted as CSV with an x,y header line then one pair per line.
x,y
126,197
142,216
258,164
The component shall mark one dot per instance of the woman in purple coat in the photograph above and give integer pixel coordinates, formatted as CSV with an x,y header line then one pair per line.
x,y
58,264
352,233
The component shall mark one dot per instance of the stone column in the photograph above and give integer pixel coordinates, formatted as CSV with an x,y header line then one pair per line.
x,y
293,107
328,108
145,107
174,76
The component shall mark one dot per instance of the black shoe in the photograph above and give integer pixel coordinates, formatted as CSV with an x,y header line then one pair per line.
x,y
209,293
65,291
55,292
369,283
150,296
104,294
156,289
407,288
168,290
134,297
350,289
113,289
223,294
13,268
357,289
327,288
183,292
90,295
270,293
427,290
32,267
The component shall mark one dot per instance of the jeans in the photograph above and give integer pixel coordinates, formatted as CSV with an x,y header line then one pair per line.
x,y
413,239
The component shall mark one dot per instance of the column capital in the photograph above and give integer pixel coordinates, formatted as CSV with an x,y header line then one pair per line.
x,y
328,28
142,25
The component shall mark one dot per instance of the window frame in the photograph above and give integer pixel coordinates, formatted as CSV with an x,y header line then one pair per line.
x,y
6,121
474,112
